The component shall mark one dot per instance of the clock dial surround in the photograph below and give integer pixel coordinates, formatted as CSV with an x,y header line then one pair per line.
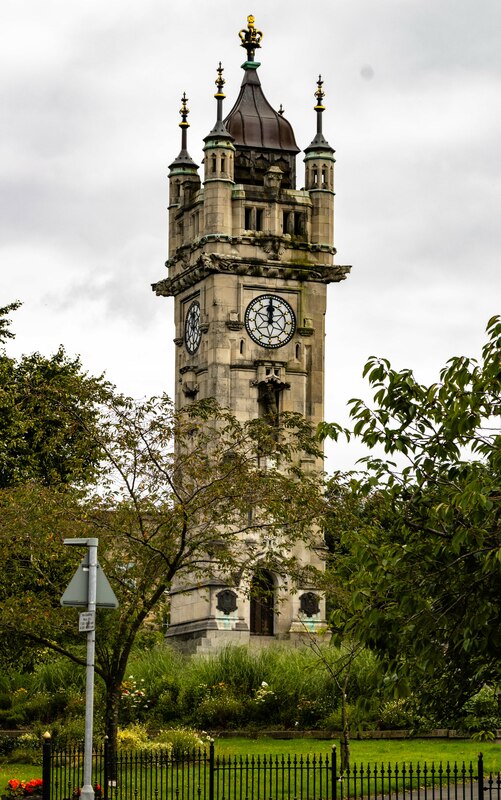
x,y
192,330
270,321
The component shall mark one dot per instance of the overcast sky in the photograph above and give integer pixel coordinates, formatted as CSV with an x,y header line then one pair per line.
x,y
90,94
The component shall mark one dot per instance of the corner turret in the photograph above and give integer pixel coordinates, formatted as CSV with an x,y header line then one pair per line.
x,y
218,170
319,177
184,182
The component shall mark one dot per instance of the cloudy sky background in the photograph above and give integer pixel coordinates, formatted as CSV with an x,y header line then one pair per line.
x,y
90,93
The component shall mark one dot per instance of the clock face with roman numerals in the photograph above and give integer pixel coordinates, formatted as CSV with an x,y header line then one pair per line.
x,y
270,321
192,332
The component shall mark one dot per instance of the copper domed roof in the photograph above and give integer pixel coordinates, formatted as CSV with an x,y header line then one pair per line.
x,y
254,123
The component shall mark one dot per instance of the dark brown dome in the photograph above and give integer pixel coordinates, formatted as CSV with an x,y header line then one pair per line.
x,y
253,123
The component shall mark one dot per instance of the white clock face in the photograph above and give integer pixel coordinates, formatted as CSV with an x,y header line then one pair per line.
x,y
192,332
270,320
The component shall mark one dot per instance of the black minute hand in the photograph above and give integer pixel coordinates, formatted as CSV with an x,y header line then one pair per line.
x,y
270,312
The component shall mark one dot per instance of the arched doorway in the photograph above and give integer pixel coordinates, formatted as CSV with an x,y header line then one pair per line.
x,y
262,604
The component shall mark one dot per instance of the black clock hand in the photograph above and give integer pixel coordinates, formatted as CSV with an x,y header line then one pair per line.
x,y
270,312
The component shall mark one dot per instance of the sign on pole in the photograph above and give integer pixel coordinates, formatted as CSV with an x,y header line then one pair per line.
x,y
89,587
86,621
77,593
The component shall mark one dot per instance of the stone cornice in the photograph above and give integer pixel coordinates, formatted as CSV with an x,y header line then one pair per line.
x,y
207,264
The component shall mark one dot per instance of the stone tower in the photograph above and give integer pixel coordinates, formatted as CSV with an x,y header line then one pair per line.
x,y
250,257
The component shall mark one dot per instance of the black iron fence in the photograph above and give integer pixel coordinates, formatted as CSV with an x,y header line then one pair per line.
x,y
203,775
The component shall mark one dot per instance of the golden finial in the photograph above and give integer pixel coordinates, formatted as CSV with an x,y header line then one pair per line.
x,y
250,38
184,111
319,94
220,81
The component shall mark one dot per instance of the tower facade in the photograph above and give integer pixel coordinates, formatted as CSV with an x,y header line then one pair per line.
x,y
250,258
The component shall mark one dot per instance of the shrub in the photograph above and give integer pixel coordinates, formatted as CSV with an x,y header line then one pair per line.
x,y
12,718
133,737
333,721
220,710
183,741
136,737
22,755
401,714
482,712
7,744
67,732
45,706
166,707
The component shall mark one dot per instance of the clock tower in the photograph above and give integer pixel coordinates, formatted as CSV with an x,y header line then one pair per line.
x,y
250,258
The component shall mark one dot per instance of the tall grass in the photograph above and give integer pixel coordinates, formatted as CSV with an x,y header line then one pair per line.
x,y
157,667
58,673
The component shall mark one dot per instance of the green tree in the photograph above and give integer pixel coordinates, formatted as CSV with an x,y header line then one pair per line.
x,y
172,501
415,537
5,322
47,406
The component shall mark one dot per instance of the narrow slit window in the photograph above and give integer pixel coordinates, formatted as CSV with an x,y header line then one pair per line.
x,y
248,219
223,163
298,224
214,163
259,219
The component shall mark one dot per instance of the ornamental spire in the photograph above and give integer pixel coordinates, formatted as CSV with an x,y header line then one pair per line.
x,y
220,95
319,108
319,142
220,81
184,159
250,38
219,130
184,124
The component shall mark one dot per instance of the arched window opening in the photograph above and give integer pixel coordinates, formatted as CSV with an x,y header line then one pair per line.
x,y
262,604
214,163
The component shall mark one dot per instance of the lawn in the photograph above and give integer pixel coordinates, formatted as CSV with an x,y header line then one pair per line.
x,y
373,751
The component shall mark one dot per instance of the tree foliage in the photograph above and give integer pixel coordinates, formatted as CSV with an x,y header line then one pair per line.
x,y
416,536
179,495
47,406
5,322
